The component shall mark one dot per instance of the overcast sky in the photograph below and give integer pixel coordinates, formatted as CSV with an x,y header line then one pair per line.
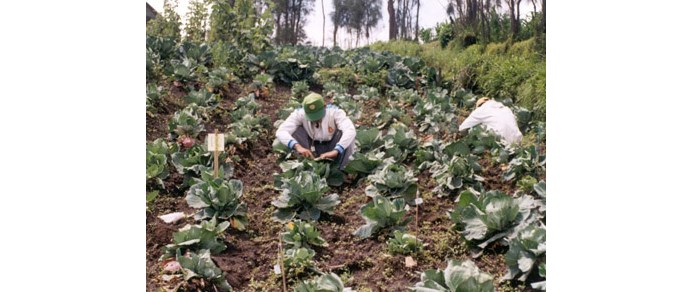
x,y
431,12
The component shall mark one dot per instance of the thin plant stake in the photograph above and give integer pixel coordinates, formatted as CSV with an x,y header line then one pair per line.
x,y
281,263
216,153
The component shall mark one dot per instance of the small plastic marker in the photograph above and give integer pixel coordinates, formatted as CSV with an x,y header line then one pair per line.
x,y
277,270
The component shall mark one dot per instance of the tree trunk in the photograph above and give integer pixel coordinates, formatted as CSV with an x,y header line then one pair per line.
x,y
336,27
296,26
417,12
324,23
543,18
392,20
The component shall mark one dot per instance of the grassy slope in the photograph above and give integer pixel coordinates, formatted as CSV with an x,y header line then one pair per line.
x,y
498,70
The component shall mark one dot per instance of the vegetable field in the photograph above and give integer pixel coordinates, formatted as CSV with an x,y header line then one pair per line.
x,y
419,207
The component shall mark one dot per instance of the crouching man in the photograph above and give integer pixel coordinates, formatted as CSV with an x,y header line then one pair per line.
x,y
324,129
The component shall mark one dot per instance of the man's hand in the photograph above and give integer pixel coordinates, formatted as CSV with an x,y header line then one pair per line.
x,y
303,151
330,155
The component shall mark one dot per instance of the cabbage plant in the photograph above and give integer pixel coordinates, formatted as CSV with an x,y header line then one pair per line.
x,y
458,276
527,161
380,214
217,197
299,90
393,181
299,261
185,122
302,234
404,243
325,169
325,283
303,195
197,237
199,265
202,98
157,160
526,252
455,173
490,216
365,164
369,139
400,142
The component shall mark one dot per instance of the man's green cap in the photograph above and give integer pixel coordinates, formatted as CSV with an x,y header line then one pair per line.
x,y
313,104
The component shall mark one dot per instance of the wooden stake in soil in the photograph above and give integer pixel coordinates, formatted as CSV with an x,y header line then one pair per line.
x,y
215,143
281,263
216,153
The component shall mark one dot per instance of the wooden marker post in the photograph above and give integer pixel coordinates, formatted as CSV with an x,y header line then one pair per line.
x,y
281,263
215,143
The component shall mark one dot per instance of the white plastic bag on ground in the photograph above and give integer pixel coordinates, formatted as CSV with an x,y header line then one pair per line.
x,y
172,217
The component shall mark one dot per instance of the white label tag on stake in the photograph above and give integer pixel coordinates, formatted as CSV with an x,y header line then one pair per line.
x,y
215,142
419,201
277,270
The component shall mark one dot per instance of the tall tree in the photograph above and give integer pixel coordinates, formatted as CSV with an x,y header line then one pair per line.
x,y
392,20
417,13
515,24
338,16
292,12
167,24
196,27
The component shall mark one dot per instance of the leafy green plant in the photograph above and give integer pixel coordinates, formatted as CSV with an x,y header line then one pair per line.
x,y
400,75
480,139
151,196
393,181
154,94
202,98
192,161
526,252
404,243
400,142
299,90
485,218
185,122
369,139
325,283
302,234
540,285
197,237
365,164
455,173
526,183
382,213
199,265
298,262
458,276
389,115
327,170
303,195
220,198
219,77
263,82
157,160
527,161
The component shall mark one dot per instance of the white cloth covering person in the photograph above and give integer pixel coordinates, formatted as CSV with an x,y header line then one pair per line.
x,y
324,128
497,117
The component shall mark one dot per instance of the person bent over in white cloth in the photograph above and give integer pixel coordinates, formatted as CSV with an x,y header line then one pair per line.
x,y
495,116
317,127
